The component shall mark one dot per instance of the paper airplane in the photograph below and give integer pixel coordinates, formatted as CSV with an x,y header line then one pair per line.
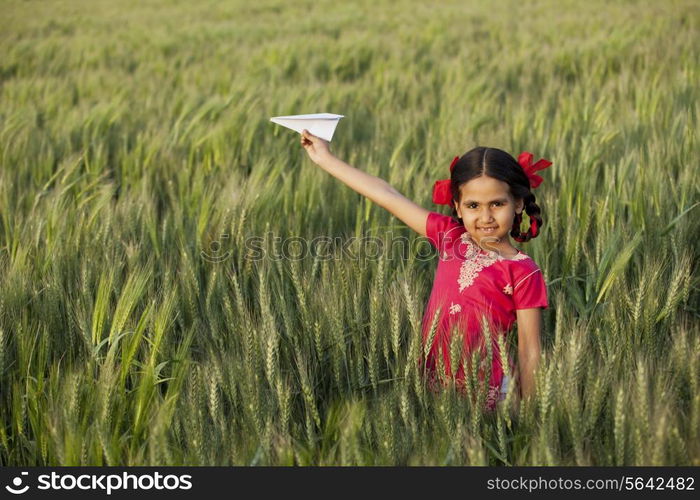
x,y
319,124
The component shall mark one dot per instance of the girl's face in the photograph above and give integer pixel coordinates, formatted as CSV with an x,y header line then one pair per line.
x,y
487,209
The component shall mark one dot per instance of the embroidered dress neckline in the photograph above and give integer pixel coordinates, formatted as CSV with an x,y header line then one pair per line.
x,y
492,254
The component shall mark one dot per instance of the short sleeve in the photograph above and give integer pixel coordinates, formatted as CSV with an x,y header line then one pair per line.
x,y
529,289
438,226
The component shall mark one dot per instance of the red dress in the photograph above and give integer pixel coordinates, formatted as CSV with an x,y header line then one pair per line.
x,y
470,281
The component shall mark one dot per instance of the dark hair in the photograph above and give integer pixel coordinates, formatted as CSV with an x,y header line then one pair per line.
x,y
502,166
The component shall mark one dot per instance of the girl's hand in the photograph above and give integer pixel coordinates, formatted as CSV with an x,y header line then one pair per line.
x,y
316,147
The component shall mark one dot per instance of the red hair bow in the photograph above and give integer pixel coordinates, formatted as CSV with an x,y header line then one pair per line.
x,y
442,193
525,161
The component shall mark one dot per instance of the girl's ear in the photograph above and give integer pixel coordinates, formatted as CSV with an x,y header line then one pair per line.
x,y
456,204
519,205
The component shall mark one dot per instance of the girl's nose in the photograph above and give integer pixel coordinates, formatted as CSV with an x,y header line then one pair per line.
x,y
486,216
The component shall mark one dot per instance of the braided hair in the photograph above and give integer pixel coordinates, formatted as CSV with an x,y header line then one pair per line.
x,y
502,166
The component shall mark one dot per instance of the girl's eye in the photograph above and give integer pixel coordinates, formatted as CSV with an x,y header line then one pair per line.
x,y
473,205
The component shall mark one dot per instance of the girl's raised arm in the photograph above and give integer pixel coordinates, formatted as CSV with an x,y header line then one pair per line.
x,y
374,188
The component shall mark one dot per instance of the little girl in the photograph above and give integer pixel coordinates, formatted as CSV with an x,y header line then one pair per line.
x,y
480,278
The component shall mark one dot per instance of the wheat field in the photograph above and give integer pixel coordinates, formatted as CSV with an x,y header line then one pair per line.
x,y
139,326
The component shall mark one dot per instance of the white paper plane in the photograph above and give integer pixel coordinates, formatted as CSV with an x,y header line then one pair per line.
x,y
319,124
